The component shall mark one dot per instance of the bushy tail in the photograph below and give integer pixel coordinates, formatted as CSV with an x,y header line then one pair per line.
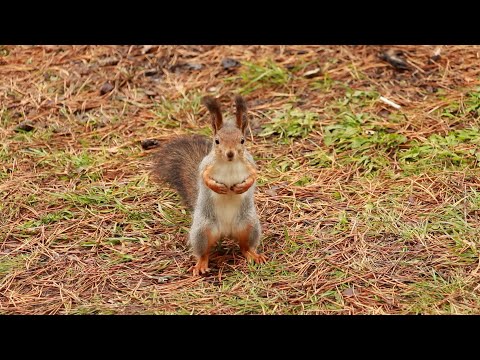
x,y
176,163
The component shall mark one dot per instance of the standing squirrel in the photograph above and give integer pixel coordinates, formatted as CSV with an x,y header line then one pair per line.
x,y
216,179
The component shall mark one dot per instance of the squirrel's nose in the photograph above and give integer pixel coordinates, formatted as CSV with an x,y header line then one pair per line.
x,y
230,155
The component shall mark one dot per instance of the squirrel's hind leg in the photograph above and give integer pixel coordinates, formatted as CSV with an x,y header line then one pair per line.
x,y
249,239
201,241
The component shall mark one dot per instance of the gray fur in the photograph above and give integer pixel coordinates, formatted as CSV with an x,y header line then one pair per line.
x,y
205,214
200,243
255,235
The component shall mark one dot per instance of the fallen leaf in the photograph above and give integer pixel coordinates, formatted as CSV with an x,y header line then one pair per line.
x,y
109,61
24,126
106,88
348,292
228,63
151,72
384,113
147,48
272,191
436,53
150,143
312,73
393,58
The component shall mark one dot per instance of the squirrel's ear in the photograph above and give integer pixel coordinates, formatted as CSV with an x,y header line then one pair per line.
x,y
241,114
214,108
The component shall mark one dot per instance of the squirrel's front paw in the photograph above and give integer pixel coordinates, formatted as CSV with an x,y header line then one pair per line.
x,y
219,188
241,187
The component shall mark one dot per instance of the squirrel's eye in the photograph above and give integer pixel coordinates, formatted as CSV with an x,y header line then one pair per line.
x,y
217,141
242,141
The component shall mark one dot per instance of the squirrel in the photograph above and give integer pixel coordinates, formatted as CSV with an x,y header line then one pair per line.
x,y
216,179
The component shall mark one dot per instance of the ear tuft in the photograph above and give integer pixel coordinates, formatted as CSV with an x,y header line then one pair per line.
x,y
241,114
214,108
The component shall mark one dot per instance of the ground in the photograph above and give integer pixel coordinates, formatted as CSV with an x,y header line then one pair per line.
x,y
366,208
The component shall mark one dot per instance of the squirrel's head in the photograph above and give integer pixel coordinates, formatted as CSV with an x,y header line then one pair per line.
x,y
229,136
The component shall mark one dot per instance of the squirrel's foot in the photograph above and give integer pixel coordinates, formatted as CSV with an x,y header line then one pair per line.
x,y
253,255
201,267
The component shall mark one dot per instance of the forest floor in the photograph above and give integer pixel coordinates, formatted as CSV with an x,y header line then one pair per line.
x,y
366,207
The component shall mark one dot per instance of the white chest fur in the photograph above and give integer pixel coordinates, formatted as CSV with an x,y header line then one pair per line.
x,y
230,172
227,207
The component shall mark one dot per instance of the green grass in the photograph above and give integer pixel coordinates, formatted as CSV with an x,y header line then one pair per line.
x,y
352,194
49,218
324,84
355,138
254,76
173,113
289,124
457,150
466,108
9,264
437,295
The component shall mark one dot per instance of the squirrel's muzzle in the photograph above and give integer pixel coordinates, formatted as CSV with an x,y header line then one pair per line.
x,y
230,155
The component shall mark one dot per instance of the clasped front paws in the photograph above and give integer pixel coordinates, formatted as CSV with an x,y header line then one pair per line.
x,y
242,187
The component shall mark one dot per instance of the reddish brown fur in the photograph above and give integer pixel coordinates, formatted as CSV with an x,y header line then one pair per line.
x,y
228,134
214,108
247,251
201,266
229,137
245,185
211,183
241,114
